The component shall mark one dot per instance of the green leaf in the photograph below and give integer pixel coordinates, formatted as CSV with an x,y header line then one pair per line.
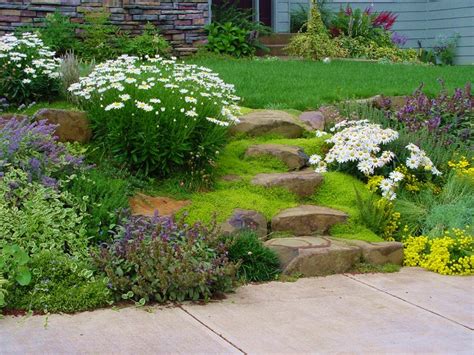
x,y
23,275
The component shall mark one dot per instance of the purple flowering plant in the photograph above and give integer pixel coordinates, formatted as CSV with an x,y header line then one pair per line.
x,y
450,115
32,147
161,259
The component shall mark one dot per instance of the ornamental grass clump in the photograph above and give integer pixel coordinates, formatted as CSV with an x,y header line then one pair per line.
x,y
158,116
159,259
28,69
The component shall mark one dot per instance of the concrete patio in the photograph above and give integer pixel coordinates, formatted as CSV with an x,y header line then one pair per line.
x,y
413,311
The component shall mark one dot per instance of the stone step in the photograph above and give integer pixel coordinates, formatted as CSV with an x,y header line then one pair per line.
x,y
302,183
307,220
294,157
276,38
319,256
261,122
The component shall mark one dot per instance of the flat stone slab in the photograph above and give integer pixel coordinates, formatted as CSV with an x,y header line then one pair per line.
x,y
302,183
258,123
317,256
294,157
307,220
144,205
246,219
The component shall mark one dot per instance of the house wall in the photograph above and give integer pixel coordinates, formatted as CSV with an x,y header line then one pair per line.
x,y
419,20
180,22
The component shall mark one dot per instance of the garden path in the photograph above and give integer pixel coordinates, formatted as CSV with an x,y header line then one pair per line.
x,y
411,311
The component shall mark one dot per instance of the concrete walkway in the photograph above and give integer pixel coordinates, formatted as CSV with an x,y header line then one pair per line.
x,y
413,311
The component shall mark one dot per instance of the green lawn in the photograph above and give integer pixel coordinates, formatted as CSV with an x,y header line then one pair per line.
x,y
306,85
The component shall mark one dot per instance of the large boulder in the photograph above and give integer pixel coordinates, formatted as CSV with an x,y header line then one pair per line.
x,y
246,219
294,157
307,220
261,122
302,183
73,126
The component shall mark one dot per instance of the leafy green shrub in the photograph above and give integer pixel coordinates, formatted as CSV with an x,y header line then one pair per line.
x,y
158,259
148,43
60,283
158,116
257,262
98,37
28,69
59,33
315,43
298,17
101,196
241,19
228,39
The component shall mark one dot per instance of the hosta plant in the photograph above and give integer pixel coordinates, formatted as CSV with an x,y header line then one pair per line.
x,y
158,116
28,69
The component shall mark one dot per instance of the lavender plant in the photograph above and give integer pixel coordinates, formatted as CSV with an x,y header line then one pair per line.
x,y
33,148
159,259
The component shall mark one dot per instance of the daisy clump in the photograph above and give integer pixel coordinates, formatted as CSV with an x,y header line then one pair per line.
x,y
28,69
360,142
158,116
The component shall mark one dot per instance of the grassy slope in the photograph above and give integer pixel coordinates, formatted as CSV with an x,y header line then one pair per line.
x,y
306,85
337,190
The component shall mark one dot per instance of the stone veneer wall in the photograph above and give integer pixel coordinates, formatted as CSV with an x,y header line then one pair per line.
x,y
181,22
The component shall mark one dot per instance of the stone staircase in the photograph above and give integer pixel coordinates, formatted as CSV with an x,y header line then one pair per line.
x,y
308,250
275,43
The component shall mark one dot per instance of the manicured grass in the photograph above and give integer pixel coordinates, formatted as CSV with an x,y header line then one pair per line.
x,y
303,85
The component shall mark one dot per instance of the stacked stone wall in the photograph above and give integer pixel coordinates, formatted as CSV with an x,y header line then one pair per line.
x,y
180,22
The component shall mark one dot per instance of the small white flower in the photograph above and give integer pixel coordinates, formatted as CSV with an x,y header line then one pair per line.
x,y
396,176
114,106
124,97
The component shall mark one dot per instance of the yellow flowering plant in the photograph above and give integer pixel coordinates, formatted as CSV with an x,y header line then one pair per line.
x,y
450,254
463,166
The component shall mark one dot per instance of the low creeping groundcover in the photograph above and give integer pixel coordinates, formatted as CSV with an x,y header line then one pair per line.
x,y
157,115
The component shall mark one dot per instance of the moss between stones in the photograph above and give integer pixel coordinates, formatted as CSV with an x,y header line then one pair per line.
x,y
337,190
